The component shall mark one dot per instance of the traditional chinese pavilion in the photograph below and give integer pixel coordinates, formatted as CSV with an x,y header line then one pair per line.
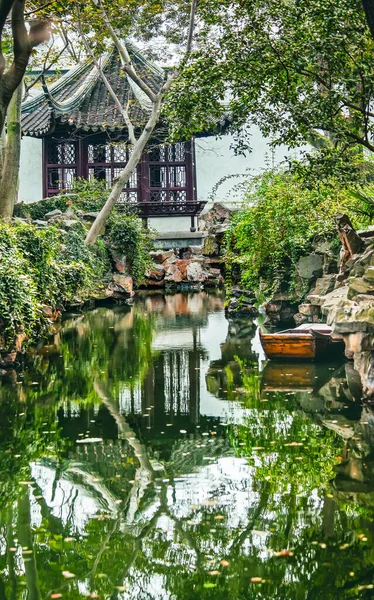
x,y
84,135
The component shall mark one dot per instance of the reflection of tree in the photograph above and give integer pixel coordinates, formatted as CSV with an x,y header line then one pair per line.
x,y
135,513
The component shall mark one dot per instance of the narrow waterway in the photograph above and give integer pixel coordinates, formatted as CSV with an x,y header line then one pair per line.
x,y
149,452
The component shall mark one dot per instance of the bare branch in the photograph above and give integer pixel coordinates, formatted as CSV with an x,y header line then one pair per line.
x,y
125,56
124,111
191,28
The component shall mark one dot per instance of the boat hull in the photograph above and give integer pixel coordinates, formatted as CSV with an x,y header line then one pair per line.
x,y
298,345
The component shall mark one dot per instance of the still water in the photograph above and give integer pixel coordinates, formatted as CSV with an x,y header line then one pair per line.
x,y
149,453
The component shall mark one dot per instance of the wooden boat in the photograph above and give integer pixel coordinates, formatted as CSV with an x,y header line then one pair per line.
x,y
307,341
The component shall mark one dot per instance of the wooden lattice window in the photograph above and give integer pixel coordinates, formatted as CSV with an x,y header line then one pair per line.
x,y
61,168
105,163
170,173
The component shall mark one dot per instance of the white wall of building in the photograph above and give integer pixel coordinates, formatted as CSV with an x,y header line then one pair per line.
x,y
215,160
31,178
169,224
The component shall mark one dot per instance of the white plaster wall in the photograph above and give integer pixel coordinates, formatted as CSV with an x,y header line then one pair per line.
x,y
30,178
169,224
215,159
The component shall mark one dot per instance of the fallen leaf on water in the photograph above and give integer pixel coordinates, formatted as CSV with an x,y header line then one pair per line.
x,y
68,575
258,448
208,585
294,444
219,517
56,595
323,545
256,579
182,431
69,539
284,553
225,563
213,572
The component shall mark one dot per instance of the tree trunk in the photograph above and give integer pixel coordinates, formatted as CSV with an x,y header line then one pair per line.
x,y
10,167
135,157
369,11
26,541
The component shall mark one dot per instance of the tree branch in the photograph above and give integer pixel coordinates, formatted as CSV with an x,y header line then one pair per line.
x,y
5,8
125,56
123,111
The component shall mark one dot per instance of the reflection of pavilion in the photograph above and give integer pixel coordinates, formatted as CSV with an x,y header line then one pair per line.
x,y
170,391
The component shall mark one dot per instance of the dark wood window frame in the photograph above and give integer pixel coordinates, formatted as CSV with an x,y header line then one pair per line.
x,y
177,197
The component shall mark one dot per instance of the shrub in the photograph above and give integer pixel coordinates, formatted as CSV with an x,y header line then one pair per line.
x,y
277,226
86,196
43,266
129,238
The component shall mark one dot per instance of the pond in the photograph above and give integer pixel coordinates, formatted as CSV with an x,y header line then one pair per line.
x,y
149,452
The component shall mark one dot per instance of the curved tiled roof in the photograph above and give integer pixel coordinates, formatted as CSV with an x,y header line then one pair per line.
x,y
80,99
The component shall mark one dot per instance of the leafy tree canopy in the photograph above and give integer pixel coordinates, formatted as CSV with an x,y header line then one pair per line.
x,y
296,69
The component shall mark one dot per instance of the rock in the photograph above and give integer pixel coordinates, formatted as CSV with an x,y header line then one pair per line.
x,y
40,223
157,257
195,273
359,341
210,246
52,214
366,234
358,285
173,274
195,250
324,285
309,310
69,223
369,274
241,310
49,313
352,317
300,319
351,242
121,286
213,273
90,216
182,266
120,262
157,273
331,302
310,267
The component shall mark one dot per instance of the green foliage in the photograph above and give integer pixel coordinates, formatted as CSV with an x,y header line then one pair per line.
x,y
278,225
43,266
128,238
291,68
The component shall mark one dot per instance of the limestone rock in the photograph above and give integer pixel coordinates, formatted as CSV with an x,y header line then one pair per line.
x,y
357,285
90,216
182,266
310,267
52,214
195,273
300,319
157,273
173,274
309,310
324,285
210,246
121,286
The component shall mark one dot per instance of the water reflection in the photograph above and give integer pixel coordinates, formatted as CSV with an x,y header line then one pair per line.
x,y
145,456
